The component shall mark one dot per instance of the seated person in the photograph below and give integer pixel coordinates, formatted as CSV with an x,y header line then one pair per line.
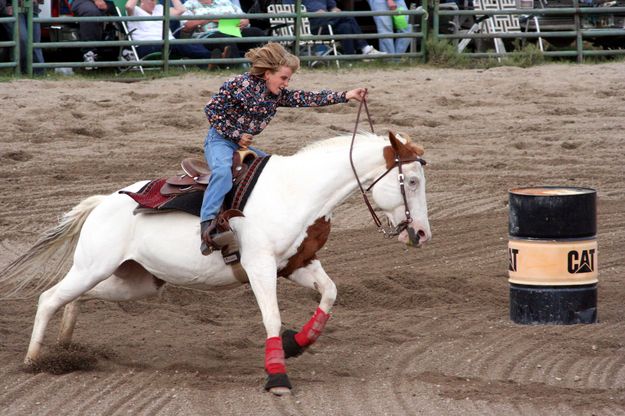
x,y
340,26
153,30
91,31
256,6
209,28
6,32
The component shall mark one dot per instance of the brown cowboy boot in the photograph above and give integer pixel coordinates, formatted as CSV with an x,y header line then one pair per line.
x,y
206,229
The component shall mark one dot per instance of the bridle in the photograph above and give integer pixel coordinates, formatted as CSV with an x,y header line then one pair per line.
x,y
388,231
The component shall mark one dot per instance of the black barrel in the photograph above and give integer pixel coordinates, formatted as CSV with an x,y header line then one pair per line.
x,y
552,255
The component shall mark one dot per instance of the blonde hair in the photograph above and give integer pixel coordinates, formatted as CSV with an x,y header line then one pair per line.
x,y
271,57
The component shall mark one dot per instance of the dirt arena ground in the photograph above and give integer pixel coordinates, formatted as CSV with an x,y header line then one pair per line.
x,y
414,332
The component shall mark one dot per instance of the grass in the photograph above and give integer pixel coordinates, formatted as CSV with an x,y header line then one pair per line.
x,y
111,74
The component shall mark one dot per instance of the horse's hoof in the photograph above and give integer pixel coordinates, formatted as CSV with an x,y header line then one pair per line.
x,y
278,384
289,345
30,366
280,391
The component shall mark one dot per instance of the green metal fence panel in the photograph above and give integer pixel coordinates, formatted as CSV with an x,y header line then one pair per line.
x,y
578,35
165,62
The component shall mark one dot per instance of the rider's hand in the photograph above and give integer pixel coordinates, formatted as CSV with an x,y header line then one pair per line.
x,y
358,94
246,140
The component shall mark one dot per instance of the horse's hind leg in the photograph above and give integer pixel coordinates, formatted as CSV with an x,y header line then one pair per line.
x,y
68,322
130,282
75,283
314,277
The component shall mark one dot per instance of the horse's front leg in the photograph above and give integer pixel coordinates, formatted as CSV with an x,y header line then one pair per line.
x,y
263,279
314,277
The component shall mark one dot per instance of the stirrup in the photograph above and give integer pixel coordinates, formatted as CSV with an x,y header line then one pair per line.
x,y
208,244
207,249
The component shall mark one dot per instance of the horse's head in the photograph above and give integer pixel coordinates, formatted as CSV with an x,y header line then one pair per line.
x,y
407,208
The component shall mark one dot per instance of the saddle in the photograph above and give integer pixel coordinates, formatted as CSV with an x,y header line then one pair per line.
x,y
185,192
197,174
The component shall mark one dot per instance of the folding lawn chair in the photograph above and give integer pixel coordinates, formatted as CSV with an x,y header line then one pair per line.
x,y
499,23
285,26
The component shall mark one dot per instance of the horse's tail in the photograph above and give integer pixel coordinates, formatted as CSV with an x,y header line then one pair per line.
x,y
43,263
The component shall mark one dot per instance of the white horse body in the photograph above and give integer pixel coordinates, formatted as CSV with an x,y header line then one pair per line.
x,y
119,254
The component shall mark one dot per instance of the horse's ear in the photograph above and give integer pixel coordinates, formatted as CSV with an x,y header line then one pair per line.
x,y
405,136
395,143
409,146
404,151
396,148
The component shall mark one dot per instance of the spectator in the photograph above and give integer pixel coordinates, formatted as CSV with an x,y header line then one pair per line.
x,y
209,28
91,31
37,53
153,30
256,6
6,32
340,26
7,10
384,25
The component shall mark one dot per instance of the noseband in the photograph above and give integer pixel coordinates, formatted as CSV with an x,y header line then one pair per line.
x,y
388,231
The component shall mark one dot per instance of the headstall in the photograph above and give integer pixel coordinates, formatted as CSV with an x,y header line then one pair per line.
x,y
389,230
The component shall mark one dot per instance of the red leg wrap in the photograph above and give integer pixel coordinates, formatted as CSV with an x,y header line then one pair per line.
x,y
313,328
274,356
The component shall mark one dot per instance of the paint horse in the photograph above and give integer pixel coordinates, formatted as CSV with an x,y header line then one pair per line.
x,y
120,255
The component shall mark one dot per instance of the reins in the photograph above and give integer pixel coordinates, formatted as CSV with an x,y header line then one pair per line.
x,y
389,231
375,217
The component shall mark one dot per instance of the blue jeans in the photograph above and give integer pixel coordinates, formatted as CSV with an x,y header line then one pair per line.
x,y
91,31
37,53
384,25
340,26
218,152
182,51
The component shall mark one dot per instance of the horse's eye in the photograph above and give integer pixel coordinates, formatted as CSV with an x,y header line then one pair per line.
x,y
413,181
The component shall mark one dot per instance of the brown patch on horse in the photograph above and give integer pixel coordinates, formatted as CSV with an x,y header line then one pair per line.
x,y
316,236
409,150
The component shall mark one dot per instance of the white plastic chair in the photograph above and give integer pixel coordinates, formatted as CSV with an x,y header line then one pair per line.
x,y
285,26
499,23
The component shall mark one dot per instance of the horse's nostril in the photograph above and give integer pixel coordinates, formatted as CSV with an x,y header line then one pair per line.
x,y
421,233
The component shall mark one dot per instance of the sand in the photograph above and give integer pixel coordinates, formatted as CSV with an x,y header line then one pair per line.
x,y
414,331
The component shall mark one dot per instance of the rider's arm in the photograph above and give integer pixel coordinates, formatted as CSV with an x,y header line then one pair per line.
x,y
299,98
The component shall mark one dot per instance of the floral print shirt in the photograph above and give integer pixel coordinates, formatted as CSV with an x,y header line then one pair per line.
x,y
244,104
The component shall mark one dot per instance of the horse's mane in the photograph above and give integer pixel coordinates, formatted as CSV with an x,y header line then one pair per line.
x,y
361,135
340,141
